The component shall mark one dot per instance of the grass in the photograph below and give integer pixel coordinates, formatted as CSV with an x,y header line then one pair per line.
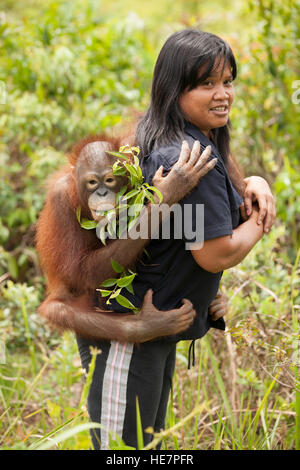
x,y
235,397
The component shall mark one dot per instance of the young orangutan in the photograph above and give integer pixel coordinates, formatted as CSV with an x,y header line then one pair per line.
x,y
76,262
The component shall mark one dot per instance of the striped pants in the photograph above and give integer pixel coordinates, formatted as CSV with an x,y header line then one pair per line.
x,y
125,373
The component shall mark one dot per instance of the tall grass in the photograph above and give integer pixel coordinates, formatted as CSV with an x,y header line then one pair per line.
x,y
258,420
242,393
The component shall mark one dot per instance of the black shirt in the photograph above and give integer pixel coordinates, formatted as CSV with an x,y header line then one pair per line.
x,y
171,271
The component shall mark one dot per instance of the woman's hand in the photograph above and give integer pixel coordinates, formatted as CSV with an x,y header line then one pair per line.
x,y
258,190
219,306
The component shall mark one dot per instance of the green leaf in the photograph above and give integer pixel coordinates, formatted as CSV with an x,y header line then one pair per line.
x,y
139,427
130,289
115,294
89,224
61,437
132,170
53,409
116,266
160,197
102,234
121,193
136,150
12,266
119,172
104,292
117,165
116,443
125,281
138,205
111,228
118,155
131,193
140,174
149,196
125,302
85,223
109,282
125,149
140,198
78,214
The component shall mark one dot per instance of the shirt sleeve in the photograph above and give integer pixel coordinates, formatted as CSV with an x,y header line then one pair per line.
x,y
165,157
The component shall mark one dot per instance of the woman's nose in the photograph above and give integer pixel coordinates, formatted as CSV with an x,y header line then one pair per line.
x,y
221,92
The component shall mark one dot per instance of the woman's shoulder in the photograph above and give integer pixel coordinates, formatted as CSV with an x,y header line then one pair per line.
x,y
166,155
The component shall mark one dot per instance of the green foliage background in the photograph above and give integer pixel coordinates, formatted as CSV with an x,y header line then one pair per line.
x,y
71,68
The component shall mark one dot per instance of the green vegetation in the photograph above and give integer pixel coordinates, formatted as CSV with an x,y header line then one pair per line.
x,y
73,68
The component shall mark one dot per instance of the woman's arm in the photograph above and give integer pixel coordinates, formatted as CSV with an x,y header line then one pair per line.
x,y
228,251
258,190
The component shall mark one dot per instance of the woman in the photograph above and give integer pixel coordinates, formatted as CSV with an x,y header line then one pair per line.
x,y
192,94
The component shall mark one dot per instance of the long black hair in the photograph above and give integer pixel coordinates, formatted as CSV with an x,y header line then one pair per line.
x,y
177,69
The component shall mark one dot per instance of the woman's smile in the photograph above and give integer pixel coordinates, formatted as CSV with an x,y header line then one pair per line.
x,y
220,110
